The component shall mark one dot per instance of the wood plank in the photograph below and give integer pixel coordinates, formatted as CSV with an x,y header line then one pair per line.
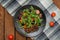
x,y
1,23
19,36
9,25
57,2
29,39
9,28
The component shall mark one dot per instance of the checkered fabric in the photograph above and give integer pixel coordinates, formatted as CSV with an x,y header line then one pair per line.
x,y
51,7
47,6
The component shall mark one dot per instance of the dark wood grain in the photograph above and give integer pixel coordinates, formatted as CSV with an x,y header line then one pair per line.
x,y
9,25
29,39
1,23
10,29
57,3
19,36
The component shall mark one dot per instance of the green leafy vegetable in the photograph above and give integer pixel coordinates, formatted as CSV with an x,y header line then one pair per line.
x,y
27,16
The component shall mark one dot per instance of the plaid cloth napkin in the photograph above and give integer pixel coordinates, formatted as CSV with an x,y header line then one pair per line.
x,y
47,6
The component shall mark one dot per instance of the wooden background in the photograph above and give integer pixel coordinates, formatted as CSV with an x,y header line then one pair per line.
x,y
7,25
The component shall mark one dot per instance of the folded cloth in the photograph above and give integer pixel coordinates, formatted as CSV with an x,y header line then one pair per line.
x,y
51,7
46,5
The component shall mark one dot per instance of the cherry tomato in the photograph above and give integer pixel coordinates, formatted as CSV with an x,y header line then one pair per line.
x,y
10,37
51,24
53,14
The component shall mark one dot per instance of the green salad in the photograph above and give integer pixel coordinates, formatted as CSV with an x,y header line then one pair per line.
x,y
30,19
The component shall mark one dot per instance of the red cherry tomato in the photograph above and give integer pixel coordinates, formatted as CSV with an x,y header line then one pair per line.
x,y
10,37
53,14
51,24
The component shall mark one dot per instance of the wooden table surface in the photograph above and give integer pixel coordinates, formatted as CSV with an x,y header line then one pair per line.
x,y
7,25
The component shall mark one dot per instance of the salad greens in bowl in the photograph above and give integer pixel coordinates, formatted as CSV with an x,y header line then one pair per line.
x,y
30,18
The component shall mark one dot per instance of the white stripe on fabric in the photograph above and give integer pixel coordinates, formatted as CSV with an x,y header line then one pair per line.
x,y
56,36
46,3
12,7
5,2
58,21
21,1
